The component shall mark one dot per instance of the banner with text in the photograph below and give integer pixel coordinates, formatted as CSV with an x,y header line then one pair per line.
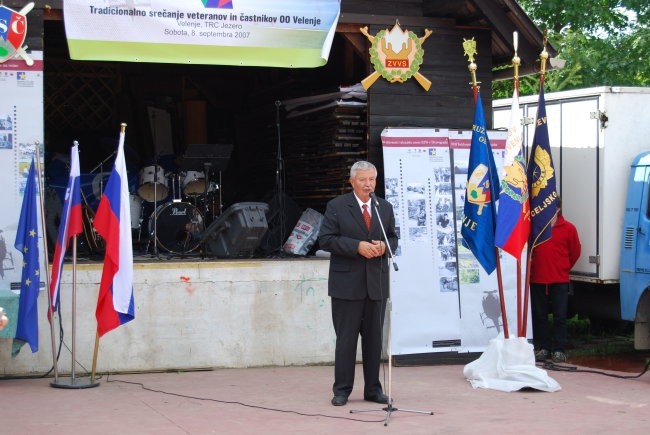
x,y
21,134
442,300
281,33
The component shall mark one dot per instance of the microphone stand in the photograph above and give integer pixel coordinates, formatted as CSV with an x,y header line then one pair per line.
x,y
388,408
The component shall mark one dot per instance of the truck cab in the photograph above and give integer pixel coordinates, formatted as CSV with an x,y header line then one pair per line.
x,y
635,252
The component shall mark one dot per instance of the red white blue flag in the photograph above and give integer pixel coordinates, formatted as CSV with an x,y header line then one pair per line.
x,y
513,219
115,304
71,225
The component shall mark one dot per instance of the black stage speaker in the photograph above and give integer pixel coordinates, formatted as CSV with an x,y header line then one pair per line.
x,y
237,232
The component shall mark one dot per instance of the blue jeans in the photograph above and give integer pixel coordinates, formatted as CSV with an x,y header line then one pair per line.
x,y
555,300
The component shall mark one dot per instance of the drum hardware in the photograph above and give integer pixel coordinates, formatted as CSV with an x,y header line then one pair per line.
x,y
176,187
159,173
207,159
194,183
135,206
100,166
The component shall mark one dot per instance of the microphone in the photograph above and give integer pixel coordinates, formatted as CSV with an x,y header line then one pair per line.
x,y
374,199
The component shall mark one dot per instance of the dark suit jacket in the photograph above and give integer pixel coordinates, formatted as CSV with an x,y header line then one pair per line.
x,y
352,276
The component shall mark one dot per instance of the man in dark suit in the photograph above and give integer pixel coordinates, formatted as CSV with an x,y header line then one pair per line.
x,y
358,280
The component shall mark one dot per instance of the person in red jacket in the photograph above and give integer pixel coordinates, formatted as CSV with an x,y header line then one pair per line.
x,y
549,287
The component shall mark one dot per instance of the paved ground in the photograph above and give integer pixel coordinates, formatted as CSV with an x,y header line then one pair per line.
x,y
295,400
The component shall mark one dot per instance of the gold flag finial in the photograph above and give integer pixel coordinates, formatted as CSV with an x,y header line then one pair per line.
x,y
544,55
516,60
469,45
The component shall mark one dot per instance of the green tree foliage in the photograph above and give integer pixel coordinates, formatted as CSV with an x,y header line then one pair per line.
x,y
604,43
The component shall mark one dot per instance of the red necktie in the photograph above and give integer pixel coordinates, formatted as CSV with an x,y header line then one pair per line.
x,y
366,216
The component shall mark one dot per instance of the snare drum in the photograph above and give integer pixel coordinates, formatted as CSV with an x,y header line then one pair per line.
x,y
135,203
194,183
179,226
153,183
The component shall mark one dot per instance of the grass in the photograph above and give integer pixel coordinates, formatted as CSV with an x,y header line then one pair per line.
x,y
587,338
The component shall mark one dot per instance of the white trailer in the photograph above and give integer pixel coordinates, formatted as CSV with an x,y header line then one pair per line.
x,y
595,134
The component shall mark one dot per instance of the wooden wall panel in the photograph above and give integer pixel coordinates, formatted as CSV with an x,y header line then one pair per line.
x,y
447,104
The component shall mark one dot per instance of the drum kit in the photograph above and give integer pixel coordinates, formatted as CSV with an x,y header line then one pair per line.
x,y
177,224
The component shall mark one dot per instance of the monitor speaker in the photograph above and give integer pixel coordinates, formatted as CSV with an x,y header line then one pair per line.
x,y
237,232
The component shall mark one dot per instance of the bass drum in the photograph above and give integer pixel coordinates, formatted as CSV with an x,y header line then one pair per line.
x,y
178,227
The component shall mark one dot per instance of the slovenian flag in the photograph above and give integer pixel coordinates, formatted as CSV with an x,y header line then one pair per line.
x,y
71,225
513,219
115,304
482,193
27,244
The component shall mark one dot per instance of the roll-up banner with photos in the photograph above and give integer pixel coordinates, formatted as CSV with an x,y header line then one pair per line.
x,y
442,300
21,133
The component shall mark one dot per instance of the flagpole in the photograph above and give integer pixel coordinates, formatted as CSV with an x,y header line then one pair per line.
x,y
92,372
516,61
543,58
73,382
37,152
470,50
119,170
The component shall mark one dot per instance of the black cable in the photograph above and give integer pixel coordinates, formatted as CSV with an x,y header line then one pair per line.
x,y
567,368
247,405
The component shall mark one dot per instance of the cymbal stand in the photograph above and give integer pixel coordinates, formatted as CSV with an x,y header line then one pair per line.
x,y
389,408
92,171
155,209
279,177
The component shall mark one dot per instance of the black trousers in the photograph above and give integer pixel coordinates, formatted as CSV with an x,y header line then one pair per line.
x,y
363,317
555,300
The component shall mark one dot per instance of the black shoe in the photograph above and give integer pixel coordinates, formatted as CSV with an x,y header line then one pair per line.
x,y
339,400
377,398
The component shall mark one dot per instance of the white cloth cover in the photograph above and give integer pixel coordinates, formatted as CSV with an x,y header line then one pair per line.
x,y
508,365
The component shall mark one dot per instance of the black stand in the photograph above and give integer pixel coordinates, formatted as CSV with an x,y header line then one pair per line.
x,y
155,254
208,158
389,409
279,174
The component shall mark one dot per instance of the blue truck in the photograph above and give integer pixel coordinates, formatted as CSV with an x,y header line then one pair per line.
x,y
601,156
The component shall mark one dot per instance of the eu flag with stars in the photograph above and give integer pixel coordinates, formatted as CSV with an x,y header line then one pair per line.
x,y
479,218
27,244
541,179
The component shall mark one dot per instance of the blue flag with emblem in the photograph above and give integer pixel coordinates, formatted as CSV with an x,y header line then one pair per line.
x,y
27,244
479,218
541,179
